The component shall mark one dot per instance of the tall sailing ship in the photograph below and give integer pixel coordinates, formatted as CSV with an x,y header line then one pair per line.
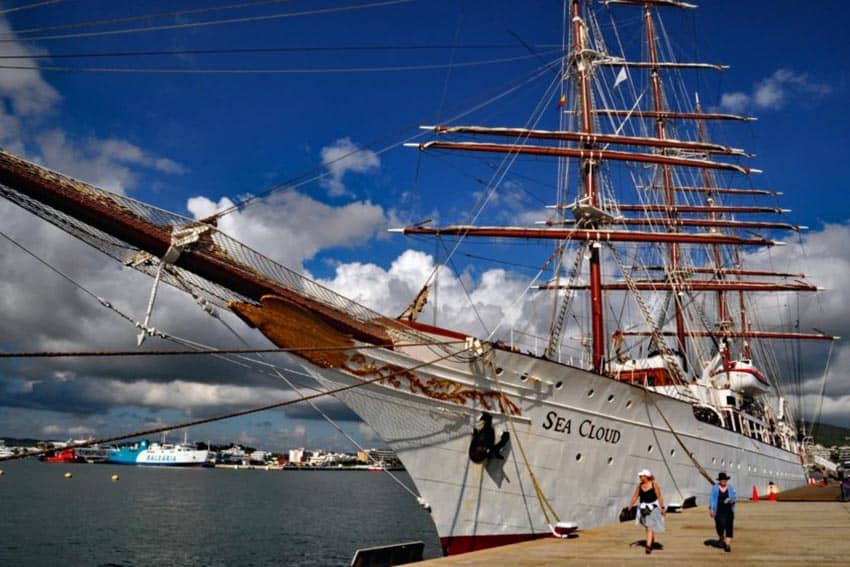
x,y
650,214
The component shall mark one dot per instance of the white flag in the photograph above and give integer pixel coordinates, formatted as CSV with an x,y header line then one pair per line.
x,y
621,76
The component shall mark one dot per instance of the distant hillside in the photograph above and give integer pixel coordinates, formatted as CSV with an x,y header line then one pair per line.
x,y
829,435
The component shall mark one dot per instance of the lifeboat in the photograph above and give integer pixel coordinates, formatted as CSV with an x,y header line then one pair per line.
x,y
742,376
654,370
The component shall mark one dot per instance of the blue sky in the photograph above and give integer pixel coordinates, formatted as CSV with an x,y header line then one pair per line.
x,y
176,139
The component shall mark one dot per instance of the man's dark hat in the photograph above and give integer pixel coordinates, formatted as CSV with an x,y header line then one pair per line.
x,y
723,476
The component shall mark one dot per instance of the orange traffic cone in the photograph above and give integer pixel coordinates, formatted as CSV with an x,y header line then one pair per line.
x,y
755,497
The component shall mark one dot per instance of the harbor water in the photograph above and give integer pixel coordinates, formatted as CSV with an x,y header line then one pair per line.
x,y
200,517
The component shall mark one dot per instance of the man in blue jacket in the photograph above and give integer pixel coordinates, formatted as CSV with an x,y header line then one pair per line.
x,y
721,506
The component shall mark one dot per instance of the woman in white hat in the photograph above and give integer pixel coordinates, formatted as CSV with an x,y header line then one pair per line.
x,y
651,510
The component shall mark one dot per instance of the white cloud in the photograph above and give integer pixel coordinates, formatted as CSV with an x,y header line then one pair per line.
x,y
28,93
80,431
367,433
103,163
736,102
773,92
52,430
459,300
182,394
343,156
825,258
246,438
291,227
124,152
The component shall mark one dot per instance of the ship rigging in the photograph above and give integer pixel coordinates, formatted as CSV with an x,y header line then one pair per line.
x,y
645,217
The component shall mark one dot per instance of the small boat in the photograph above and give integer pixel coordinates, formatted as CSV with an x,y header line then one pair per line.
x,y
94,453
5,451
156,454
63,456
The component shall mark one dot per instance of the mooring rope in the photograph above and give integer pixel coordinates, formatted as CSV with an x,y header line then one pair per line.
x,y
687,451
545,504
239,413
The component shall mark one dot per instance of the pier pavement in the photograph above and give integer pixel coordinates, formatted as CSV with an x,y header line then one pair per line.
x,y
766,534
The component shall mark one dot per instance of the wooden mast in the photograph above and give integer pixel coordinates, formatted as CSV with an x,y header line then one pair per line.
x,y
669,194
708,182
578,55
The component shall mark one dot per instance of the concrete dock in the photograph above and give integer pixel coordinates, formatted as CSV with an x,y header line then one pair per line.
x,y
766,533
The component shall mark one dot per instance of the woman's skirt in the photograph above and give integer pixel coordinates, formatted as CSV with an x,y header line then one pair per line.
x,y
653,521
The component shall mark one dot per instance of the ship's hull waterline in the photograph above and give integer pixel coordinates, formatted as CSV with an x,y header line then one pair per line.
x,y
585,437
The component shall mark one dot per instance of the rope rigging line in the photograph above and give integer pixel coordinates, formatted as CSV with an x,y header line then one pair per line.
x,y
664,456
174,14
545,505
462,286
271,71
315,173
220,352
232,356
68,278
816,415
496,180
240,413
687,451
657,340
259,350
245,50
319,410
559,317
29,6
247,19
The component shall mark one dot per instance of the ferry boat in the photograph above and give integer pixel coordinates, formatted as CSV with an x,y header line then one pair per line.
x,y
155,454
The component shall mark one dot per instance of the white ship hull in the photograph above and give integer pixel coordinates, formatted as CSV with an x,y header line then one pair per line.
x,y
585,437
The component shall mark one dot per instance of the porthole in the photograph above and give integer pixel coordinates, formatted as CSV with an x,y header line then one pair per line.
x,y
578,457
713,460
590,393
672,452
610,461
610,398
722,461
628,404
499,371
524,376
559,385
649,449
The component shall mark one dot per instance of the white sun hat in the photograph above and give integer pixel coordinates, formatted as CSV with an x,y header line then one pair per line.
x,y
645,472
